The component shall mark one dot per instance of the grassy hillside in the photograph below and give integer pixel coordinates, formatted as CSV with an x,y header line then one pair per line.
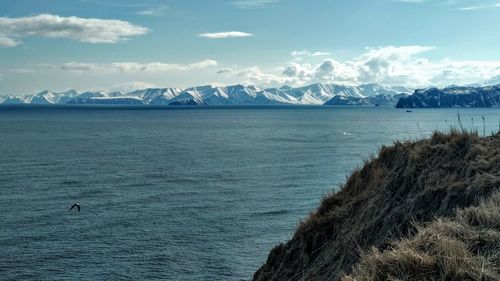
x,y
392,197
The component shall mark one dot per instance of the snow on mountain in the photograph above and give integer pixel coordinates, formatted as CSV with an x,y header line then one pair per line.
x,y
230,95
48,97
320,93
239,94
44,97
188,97
66,96
156,96
84,98
213,95
14,100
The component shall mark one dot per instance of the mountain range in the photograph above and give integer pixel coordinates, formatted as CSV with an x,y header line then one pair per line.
x,y
482,94
314,94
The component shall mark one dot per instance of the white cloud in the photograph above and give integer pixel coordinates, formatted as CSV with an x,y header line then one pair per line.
x,y
80,66
307,53
156,10
225,70
248,4
6,42
461,72
157,66
471,8
134,67
254,76
132,86
44,65
22,70
403,66
228,34
90,30
380,65
297,70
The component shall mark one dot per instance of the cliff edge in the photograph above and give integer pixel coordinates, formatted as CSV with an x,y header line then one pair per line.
x,y
420,210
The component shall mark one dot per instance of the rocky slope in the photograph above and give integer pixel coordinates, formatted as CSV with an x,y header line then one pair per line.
x,y
453,96
377,100
408,183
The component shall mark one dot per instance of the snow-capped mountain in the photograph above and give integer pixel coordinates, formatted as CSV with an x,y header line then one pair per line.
x,y
155,96
316,94
47,97
15,100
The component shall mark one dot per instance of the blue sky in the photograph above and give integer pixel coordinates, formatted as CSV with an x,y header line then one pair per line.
x,y
122,45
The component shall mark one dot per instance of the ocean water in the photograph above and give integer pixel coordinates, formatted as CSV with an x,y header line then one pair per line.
x,y
178,194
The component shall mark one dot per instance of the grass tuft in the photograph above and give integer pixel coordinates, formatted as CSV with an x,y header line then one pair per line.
x,y
463,247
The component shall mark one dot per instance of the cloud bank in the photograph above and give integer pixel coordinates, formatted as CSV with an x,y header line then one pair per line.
x,y
130,67
309,53
89,30
404,66
6,42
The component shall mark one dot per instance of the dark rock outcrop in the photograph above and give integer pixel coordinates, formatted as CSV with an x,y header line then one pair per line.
x,y
453,96
377,100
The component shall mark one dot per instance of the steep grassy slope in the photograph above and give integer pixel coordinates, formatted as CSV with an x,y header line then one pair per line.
x,y
410,182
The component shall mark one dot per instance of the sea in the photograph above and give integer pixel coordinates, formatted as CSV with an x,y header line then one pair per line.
x,y
180,193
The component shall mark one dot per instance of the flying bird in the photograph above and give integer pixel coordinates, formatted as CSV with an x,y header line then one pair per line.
x,y
77,205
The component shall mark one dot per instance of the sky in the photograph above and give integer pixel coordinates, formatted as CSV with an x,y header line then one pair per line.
x,y
126,45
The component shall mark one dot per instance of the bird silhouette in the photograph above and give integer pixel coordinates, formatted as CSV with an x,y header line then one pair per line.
x,y
77,205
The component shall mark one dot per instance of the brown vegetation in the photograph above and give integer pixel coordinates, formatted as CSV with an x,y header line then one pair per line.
x,y
464,247
407,184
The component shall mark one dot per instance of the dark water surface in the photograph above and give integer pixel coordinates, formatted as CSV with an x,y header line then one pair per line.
x,y
186,194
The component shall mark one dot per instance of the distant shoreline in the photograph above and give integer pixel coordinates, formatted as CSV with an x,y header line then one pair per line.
x,y
169,107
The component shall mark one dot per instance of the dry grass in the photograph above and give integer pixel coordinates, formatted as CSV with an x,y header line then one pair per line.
x,y
464,247
408,182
